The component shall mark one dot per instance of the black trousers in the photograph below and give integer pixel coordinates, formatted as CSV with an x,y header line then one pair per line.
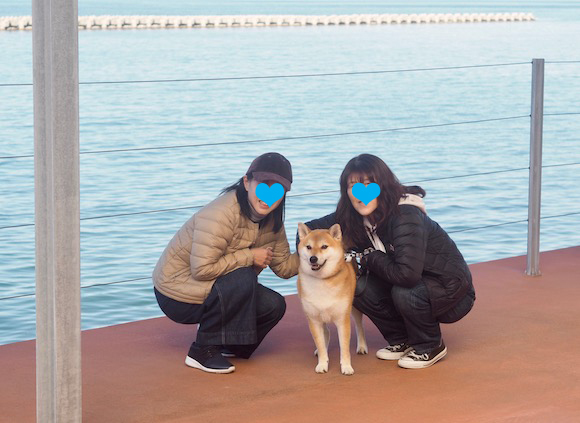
x,y
405,314
237,314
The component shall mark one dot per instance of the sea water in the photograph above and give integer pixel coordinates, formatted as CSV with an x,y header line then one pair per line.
x,y
129,116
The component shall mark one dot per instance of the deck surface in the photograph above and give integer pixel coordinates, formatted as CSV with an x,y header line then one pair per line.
x,y
514,358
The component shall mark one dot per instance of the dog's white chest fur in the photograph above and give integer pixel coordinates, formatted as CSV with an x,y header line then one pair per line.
x,y
320,301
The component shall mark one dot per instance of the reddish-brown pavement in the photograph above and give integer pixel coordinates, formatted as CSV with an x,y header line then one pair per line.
x,y
514,358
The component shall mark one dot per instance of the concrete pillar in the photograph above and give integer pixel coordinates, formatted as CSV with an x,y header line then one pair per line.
x,y
57,210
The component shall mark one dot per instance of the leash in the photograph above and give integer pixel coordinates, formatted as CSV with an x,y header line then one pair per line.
x,y
352,255
349,255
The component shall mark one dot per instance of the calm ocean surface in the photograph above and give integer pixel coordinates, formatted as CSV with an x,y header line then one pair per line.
x,y
125,116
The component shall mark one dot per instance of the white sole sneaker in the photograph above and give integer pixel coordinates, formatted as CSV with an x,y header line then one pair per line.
x,y
407,363
196,365
385,354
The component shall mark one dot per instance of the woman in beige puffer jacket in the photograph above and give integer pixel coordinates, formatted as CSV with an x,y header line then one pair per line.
x,y
208,271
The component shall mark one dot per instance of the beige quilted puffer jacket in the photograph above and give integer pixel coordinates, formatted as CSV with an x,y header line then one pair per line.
x,y
214,241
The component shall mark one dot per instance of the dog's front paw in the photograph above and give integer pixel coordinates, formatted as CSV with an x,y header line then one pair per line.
x,y
362,349
346,369
322,367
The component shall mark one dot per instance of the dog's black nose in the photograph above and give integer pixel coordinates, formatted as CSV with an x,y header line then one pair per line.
x,y
313,259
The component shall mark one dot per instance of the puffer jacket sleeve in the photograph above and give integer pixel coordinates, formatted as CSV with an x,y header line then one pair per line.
x,y
284,264
323,223
213,232
404,265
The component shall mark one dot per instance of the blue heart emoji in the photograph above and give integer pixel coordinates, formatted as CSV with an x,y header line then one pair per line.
x,y
367,193
269,195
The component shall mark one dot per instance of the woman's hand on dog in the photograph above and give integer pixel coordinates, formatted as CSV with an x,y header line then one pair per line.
x,y
363,261
262,257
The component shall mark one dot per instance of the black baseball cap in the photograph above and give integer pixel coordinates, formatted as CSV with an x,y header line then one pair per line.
x,y
272,167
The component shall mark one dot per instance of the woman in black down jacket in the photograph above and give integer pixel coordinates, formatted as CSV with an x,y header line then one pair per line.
x,y
412,275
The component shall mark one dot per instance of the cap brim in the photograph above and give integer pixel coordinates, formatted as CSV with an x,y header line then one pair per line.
x,y
268,176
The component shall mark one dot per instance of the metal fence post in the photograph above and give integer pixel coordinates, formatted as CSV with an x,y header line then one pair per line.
x,y
57,210
535,190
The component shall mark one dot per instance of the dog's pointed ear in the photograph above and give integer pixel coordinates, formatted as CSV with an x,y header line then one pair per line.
x,y
303,230
336,232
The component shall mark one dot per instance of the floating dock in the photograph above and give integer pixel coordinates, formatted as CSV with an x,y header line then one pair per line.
x,y
15,23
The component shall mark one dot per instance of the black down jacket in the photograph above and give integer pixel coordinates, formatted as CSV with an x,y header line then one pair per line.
x,y
418,249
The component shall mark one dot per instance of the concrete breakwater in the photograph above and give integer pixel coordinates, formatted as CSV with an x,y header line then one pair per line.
x,y
8,23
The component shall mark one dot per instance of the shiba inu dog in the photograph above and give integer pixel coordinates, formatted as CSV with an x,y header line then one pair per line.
x,y
326,285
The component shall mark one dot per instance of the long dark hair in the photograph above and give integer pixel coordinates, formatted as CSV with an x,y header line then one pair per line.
x,y
277,216
392,190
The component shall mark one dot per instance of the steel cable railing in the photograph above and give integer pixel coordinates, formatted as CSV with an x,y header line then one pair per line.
x,y
82,287
303,195
510,223
305,137
449,232
311,75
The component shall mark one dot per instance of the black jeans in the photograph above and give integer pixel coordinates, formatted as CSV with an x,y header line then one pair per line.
x,y
237,314
404,314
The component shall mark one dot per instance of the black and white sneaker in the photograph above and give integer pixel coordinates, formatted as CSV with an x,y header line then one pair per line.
x,y
208,358
413,360
394,352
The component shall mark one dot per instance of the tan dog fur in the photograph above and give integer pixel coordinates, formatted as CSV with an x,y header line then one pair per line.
x,y
326,291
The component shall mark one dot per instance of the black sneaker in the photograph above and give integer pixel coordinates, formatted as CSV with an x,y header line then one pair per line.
x,y
208,358
413,360
394,352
